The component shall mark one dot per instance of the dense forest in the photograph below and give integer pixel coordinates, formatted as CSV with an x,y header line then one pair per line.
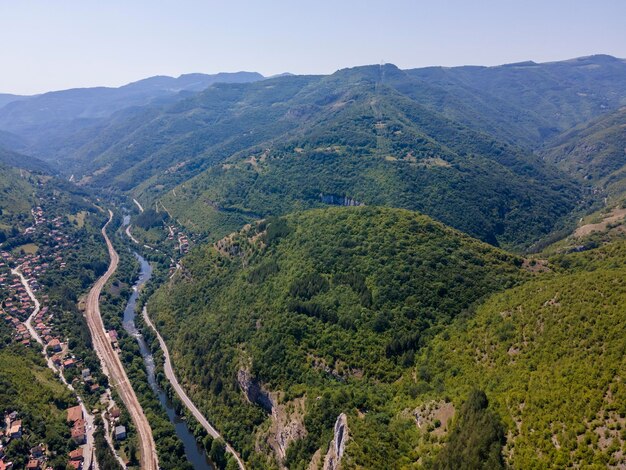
x,y
549,354
412,269
329,302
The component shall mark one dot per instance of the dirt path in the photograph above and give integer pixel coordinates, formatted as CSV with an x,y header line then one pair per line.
x,y
138,205
130,235
171,376
112,366
615,216
88,448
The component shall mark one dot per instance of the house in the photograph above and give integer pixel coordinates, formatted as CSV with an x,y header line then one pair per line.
x,y
79,434
86,374
15,432
120,433
77,455
5,465
74,414
55,345
113,337
32,465
37,452
77,464
69,363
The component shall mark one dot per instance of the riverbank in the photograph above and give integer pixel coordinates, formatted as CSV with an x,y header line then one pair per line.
x,y
195,454
112,365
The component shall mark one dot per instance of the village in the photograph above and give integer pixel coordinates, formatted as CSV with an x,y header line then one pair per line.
x,y
12,428
25,309
16,305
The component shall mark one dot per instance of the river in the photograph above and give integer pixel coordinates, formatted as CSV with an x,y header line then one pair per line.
x,y
195,454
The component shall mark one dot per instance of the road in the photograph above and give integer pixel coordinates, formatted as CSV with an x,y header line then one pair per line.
x,y
29,291
112,366
88,448
171,376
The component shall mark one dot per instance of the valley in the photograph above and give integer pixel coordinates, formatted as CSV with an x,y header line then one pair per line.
x,y
372,268
111,363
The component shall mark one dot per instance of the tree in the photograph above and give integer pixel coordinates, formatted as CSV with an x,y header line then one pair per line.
x,y
218,453
477,439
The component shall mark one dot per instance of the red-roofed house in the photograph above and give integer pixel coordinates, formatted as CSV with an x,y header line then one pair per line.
x,y
77,454
74,414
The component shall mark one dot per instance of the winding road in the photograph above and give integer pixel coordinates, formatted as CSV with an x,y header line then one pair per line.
x,y
29,322
88,448
112,365
171,376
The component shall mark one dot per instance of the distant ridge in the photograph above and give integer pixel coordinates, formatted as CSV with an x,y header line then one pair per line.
x,y
35,113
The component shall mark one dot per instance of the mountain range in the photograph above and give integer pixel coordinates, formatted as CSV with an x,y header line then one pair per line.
x,y
389,253
439,140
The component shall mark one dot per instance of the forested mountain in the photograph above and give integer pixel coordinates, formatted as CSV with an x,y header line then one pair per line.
x,y
330,255
290,142
51,117
527,102
390,318
327,303
16,198
549,354
594,151
454,143
6,98
371,145
18,160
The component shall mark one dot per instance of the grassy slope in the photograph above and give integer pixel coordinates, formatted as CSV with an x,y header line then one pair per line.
x,y
357,290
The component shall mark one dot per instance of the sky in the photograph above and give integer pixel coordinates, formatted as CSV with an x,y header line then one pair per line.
x,y
57,44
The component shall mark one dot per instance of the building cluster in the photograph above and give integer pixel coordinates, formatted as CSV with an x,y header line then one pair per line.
x,y
76,419
79,428
15,303
13,430
119,431
183,240
183,243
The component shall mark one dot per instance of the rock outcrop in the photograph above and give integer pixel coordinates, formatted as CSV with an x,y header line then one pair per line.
x,y
253,391
332,461
335,200
286,426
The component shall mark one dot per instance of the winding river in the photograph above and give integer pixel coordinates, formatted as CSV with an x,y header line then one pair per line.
x,y
195,454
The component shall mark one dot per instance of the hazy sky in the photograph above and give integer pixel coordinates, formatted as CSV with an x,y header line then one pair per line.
x,y
56,44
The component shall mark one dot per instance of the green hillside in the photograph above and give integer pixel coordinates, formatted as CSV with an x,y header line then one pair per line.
x,y
550,356
29,388
330,303
526,102
16,197
375,146
18,160
594,151
445,141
